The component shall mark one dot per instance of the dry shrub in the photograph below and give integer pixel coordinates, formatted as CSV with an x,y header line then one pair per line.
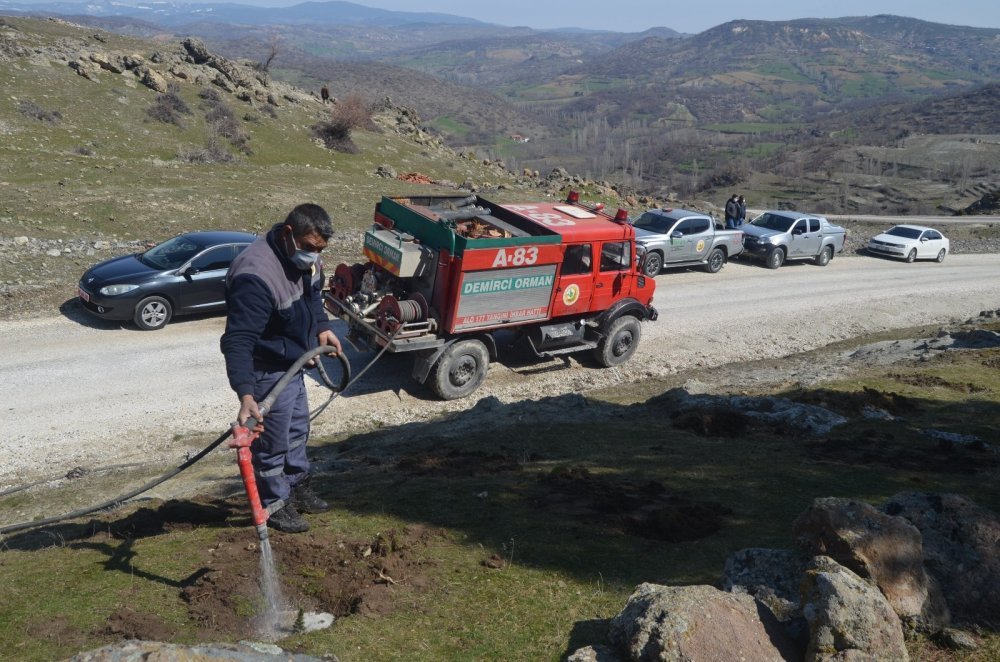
x,y
223,123
169,106
213,152
353,112
34,111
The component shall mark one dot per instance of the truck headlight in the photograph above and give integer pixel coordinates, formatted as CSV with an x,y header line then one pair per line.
x,y
115,290
763,240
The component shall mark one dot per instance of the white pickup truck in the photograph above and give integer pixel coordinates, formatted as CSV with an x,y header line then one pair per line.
x,y
682,238
778,236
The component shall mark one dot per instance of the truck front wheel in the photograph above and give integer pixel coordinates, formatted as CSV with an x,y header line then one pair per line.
x,y
775,258
460,370
653,264
716,259
620,342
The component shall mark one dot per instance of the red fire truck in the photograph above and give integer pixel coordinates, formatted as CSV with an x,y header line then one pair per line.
x,y
445,274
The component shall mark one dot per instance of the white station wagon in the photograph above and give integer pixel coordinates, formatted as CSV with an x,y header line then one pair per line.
x,y
910,242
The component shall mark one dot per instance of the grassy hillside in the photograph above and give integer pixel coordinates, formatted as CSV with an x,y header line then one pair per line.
x,y
83,159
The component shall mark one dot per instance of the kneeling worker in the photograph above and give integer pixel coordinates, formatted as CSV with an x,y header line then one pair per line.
x,y
275,314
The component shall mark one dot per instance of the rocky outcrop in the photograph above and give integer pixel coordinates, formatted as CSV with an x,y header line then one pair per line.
x,y
886,550
849,619
961,550
772,576
152,79
155,650
698,623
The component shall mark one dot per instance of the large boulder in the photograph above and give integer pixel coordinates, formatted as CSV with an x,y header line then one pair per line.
x,y
772,576
196,50
849,619
698,623
152,79
961,546
880,548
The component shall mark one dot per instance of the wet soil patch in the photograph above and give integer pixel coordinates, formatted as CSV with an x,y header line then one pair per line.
x,y
128,624
876,444
58,629
639,508
318,572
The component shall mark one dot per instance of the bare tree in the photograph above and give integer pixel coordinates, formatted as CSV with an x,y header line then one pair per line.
x,y
274,44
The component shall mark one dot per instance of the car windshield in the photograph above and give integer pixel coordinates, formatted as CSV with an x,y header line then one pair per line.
x,y
170,254
773,222
654,222
900,231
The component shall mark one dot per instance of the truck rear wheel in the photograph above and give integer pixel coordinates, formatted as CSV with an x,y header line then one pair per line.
x,y
620,343
716,260
825,256
460,370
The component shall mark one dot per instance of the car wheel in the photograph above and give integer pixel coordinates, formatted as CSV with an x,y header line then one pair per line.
x,y
620,342
654,264
716,260
912,255
152,313
775,258
940,255
824,257
460,370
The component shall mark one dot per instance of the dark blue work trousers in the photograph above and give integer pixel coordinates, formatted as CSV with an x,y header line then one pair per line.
x,y
279,453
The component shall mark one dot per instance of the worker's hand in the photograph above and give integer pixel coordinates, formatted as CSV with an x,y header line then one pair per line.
x,y
249,409
326,338
330,338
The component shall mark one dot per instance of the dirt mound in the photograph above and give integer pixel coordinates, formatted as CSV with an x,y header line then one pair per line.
x,y
318,573
639,508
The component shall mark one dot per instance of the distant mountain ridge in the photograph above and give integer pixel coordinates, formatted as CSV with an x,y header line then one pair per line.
x,y
171,14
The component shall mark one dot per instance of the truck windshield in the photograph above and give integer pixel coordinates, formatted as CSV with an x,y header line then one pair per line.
x,y
654,223
773,222
900,231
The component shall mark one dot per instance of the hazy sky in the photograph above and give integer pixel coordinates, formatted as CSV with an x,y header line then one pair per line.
x,y
637,15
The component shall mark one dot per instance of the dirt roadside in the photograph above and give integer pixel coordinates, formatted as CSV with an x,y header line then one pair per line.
x,y
77,392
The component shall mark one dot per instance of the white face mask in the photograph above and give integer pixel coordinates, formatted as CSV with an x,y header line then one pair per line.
x,y
305,260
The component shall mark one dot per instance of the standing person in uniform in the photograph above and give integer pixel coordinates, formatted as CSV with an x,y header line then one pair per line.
x,y
741,215
275,314
732,211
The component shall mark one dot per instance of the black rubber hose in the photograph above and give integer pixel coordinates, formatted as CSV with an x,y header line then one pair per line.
x,y
265,405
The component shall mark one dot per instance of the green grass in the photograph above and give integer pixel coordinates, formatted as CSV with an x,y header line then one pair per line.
x,y
568,569
450,126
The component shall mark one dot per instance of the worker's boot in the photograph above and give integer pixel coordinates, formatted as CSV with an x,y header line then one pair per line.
x,y
306,500
288,520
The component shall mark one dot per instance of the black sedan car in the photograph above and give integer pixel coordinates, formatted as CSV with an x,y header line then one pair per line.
x,y
183,275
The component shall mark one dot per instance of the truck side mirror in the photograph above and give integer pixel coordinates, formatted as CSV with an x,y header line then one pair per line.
x,y
797,231
676,234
